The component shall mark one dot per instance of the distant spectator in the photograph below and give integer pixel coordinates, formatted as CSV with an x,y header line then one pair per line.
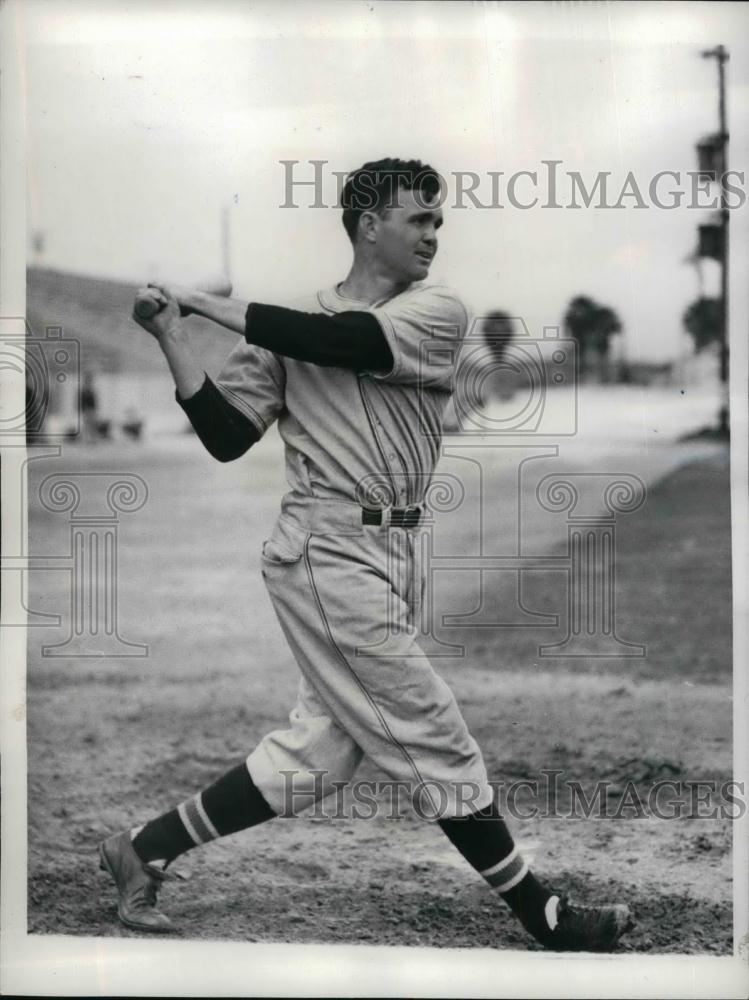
x,y
89,408
133,424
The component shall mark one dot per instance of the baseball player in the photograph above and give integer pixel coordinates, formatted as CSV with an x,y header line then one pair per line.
x,y
359,405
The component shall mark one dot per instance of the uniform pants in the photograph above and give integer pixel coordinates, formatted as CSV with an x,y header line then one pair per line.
x,y
346,600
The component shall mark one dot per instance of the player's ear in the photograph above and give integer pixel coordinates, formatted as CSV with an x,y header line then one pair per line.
x,y
368,227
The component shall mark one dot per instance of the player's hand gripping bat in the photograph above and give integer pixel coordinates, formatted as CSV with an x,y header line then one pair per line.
x,y
148,300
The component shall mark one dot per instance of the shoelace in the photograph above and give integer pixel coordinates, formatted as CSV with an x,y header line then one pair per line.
x,y
145,894
162,875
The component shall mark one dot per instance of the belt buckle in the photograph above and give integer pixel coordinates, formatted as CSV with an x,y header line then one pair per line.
x,y
371,515
408,517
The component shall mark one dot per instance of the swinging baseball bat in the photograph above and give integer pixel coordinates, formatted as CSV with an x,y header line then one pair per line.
x,y
146,304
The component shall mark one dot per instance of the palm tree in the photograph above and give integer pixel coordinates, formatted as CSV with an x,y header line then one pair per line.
x,y
608,326
579,324
498,330
591,326
703,322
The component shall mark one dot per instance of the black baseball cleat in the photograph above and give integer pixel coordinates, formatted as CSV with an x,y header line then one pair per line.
x,y
588,928
137,884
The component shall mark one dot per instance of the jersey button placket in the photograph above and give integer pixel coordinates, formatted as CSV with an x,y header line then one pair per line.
x,y
402,491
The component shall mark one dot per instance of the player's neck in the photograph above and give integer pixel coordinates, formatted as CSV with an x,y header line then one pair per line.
x,y
365,284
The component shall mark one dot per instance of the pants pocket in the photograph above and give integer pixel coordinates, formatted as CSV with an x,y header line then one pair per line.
x,y
285,545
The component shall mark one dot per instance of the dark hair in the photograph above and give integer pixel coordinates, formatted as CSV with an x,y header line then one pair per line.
x,y
374,188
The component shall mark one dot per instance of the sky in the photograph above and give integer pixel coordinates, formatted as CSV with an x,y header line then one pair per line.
x,y
146,122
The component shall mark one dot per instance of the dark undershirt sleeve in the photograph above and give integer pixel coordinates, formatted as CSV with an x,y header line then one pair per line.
x,y
224,430
352,340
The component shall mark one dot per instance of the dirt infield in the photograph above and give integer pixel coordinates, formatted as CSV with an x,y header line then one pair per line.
x,y
111,742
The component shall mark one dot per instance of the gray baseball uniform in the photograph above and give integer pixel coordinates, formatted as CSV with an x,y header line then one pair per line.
x,y
346,592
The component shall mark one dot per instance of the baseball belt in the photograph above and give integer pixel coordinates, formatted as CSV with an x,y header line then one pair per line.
x,y
323,514
396,517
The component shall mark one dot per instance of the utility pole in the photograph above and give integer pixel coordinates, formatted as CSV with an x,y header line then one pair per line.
x,y
720,54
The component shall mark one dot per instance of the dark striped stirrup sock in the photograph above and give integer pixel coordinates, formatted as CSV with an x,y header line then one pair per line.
x,y
485,842
230,804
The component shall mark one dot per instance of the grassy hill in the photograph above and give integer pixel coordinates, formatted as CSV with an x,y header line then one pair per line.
x,y
96,312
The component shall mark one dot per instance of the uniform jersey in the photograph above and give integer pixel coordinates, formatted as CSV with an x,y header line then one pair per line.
x,y
348,593
370,437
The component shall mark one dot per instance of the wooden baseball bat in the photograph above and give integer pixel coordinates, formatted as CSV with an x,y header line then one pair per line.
x,y
147,305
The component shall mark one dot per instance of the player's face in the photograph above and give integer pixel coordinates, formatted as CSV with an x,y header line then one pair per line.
x,y
407,236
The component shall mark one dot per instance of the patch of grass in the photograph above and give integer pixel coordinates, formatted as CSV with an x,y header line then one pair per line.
x,y
673,589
